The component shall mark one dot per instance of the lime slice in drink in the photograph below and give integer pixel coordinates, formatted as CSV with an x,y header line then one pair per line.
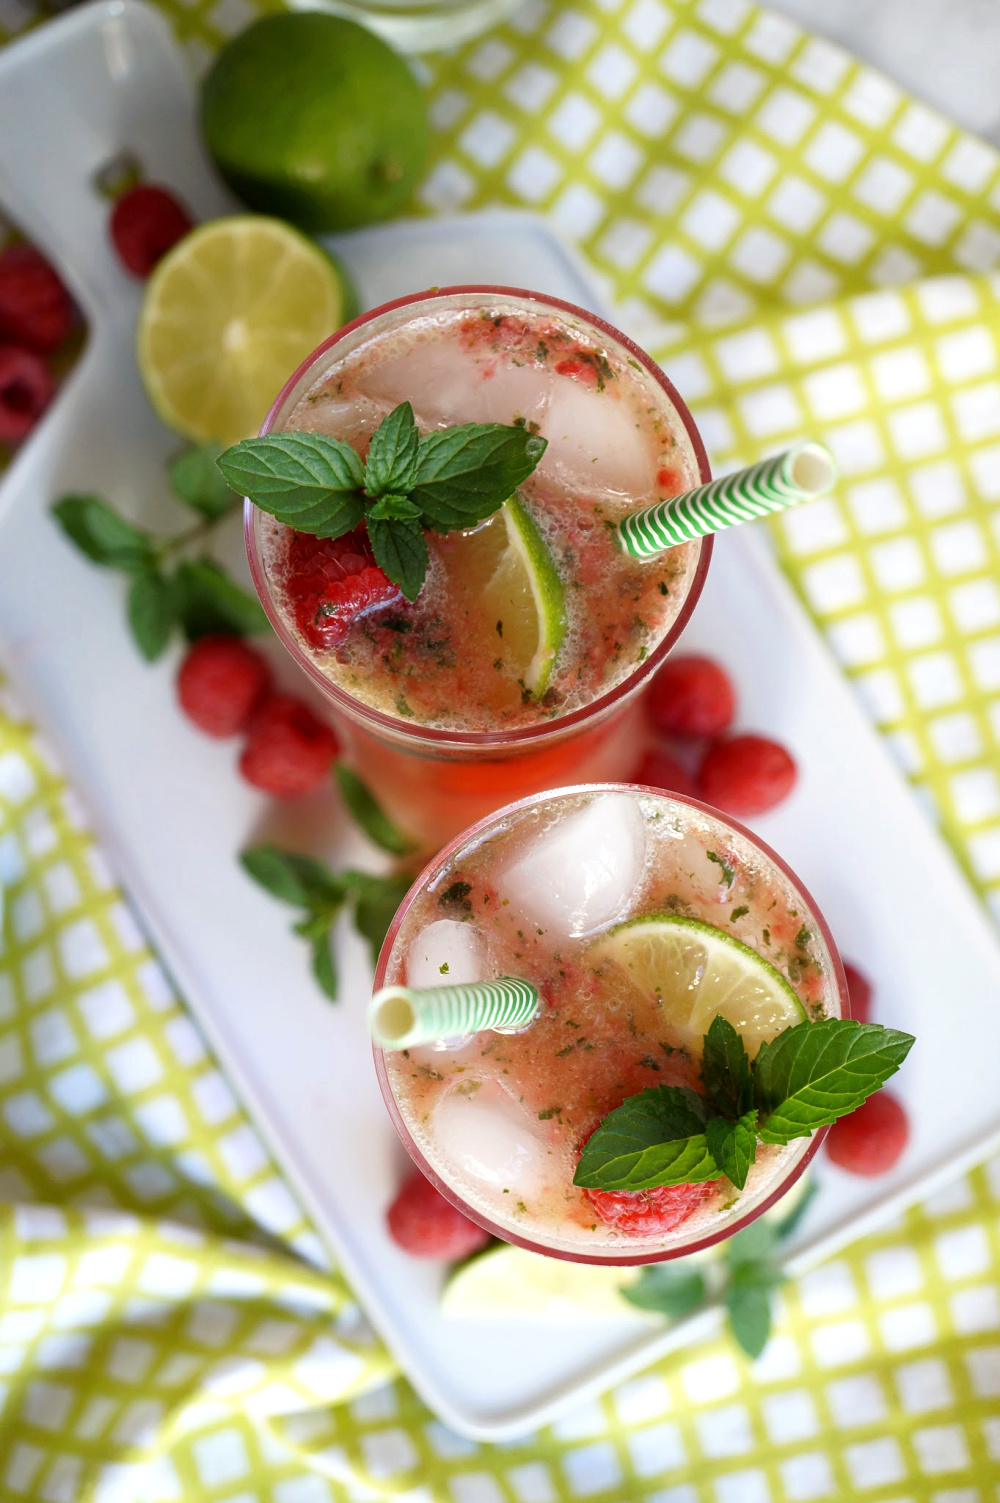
x,y
508,569
507,1282
697,973
228,315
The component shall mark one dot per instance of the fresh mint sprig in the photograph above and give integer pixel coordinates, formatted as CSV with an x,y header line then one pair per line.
x,y
173,583
452,478
806,1077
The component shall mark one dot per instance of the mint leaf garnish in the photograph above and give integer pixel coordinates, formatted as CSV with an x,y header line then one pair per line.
x,y
104,536
748,1304
733,1145
391,464
455,477
152,612
294,879
195,479
466,473
725,1069
654,1138
209,602
813,1073
668,1291
369,814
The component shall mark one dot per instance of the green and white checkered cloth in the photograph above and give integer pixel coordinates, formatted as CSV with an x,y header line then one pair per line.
x,y
808,251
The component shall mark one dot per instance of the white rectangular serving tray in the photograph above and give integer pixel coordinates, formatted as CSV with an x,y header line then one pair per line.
x,y
173,814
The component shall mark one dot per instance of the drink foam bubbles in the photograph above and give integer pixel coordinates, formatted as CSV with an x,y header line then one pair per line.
x,y
581,872
446,953
489,1138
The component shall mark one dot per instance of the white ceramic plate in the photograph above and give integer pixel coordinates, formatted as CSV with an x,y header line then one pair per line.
x,y
168,806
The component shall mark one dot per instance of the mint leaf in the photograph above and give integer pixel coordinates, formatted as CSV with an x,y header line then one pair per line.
x,y
753,1244
294,879
376,907
324,966
725,1069
152,613
728,873
393,508
392,454
464,474
748,1304
291,472
209,602
733,1145
813,1073
105,537
654,1138
368,813
196,480
400,550
790,1223
668,1291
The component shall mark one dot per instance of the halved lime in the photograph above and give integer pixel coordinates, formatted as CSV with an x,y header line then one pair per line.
x,y
508,1282
696,972
507,567
228,315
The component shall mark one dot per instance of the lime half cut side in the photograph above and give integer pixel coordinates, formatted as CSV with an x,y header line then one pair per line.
x,y
508,567
696,973
228,315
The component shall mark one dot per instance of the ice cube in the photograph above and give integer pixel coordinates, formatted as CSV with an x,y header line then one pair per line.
x,y
581,872
597,443
446,953
490,1138
446,384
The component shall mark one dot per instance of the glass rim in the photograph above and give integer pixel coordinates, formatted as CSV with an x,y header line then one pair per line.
x,y
627,1260
398,728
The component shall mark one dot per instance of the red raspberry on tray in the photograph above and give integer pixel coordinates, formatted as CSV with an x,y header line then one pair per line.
x,y
146,222
26,390
221,682
746,775
35,308
871,1140
644,1212
288,751
859,989
332,581
658,769
426,1225
692,696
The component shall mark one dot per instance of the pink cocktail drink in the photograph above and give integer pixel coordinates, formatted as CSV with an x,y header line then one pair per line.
x,y
518,665
633,914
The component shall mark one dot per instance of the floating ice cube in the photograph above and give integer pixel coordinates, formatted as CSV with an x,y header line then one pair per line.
x,y
597,442
488,1137
446,953
447,384
580,873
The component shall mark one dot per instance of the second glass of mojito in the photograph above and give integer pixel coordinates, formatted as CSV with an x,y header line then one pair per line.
x,y
518,665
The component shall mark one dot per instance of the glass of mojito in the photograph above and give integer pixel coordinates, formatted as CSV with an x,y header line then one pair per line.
x,y
519,663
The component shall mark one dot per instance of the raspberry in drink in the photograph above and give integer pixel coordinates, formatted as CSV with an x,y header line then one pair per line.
x,y
639,918
517,665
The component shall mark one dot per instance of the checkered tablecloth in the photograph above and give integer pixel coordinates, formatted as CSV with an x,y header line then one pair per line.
x,y
806,249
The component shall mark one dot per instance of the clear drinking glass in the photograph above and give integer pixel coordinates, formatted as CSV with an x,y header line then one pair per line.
x,y
413,1086
435,782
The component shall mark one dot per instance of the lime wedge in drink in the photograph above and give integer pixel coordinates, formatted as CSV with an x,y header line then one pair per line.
x,y
697,973
228,315
510,569
506,1282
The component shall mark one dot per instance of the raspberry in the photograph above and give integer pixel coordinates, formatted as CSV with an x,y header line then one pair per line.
x,y
35,308
859,989
220,684
288,751
658,769
871,1139
146,222
25,391
692,696
332,581
643,1212
423,1223
746,775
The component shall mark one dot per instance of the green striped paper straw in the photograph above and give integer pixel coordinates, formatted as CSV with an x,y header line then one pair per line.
x,y
400,1016
800,474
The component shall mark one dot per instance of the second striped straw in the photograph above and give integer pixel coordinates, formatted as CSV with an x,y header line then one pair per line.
x,y
799,474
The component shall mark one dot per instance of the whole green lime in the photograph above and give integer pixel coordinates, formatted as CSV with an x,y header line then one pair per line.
x,y
312,118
